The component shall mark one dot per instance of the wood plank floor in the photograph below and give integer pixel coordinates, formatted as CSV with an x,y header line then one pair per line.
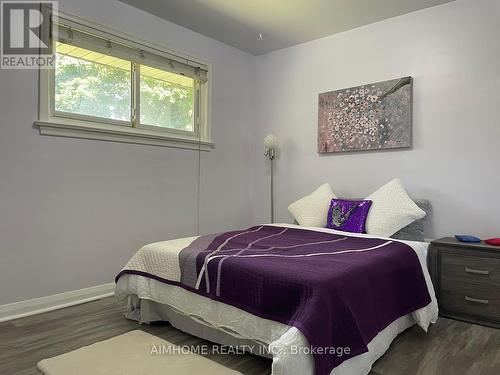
x,y
450,347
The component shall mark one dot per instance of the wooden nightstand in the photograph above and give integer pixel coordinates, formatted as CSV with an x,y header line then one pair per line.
x,y
466,278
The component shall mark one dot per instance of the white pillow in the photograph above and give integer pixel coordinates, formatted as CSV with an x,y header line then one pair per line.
x,y
392,209
312,210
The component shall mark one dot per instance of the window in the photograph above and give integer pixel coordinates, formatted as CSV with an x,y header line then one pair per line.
x,y
105,86
92,84
166,99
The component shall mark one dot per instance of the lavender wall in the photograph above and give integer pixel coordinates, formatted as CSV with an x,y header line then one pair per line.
x,y
72,211
452,52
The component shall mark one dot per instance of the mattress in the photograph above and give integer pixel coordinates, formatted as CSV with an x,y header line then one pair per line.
x,y
281,340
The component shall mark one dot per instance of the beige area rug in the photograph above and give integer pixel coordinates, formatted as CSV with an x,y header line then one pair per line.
x,y
133,353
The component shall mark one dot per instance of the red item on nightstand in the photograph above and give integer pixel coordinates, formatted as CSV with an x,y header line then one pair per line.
x,y
493,241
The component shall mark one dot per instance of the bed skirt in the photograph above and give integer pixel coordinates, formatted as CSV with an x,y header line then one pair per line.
x,y
147,311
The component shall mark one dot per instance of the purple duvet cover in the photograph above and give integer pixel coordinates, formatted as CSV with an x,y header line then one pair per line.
x,y
339,291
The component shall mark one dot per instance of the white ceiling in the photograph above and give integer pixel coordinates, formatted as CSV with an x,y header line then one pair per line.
x,y
283,23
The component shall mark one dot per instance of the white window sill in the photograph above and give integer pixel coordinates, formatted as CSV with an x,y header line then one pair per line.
x,y
115,133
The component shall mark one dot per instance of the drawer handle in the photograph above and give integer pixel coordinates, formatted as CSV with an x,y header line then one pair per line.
x,y
477,272
481,301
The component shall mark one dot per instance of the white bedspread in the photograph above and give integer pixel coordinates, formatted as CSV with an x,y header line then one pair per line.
x,y
277,336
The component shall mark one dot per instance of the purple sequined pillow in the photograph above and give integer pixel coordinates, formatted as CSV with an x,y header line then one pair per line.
x,y
348,215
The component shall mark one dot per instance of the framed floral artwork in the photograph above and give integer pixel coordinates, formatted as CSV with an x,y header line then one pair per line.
x,y
376,116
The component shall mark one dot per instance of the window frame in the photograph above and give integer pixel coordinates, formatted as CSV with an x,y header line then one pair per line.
x,y
67,124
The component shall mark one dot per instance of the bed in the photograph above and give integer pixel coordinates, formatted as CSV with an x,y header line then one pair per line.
x,y
158,285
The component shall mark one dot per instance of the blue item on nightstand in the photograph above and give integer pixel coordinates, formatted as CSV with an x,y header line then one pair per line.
x,y
466,238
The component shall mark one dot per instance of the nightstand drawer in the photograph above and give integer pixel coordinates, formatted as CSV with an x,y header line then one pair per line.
x,y
470,269
471,300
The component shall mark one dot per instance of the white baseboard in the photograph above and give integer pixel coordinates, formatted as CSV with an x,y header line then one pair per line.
x,y
54,302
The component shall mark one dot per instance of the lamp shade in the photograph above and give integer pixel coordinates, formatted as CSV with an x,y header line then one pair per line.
x,y
271,141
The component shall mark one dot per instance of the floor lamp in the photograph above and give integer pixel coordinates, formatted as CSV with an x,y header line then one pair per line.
x,y
271,144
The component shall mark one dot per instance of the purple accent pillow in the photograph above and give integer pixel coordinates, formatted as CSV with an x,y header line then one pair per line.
x,y
348,215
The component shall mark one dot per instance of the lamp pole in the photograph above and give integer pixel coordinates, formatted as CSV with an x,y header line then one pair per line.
x,y
271,144
271,153
272,186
